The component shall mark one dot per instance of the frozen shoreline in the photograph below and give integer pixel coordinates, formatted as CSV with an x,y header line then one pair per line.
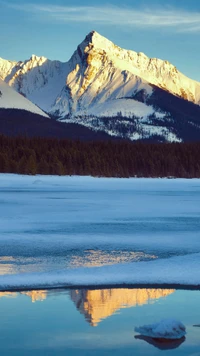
x,y
183,287
46,177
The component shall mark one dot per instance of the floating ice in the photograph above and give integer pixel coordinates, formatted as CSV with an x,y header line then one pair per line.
x,y
165,329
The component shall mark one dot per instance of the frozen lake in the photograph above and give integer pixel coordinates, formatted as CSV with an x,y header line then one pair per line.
x,y
97,234
71,231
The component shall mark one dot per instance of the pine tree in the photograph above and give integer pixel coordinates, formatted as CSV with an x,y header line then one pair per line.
x,y
31,165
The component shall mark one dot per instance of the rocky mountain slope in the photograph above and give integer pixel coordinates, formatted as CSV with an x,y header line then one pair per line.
x,y
110,89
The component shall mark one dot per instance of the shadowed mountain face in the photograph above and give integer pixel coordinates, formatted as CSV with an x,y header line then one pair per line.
x,y
97,305
15,122
110,90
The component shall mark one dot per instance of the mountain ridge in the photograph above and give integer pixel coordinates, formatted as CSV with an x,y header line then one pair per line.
x,y
103,81
140,63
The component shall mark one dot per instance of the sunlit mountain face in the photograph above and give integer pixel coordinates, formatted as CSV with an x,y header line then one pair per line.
x,y
97,305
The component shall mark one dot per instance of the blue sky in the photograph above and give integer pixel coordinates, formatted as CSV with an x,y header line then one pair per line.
x,y
166,29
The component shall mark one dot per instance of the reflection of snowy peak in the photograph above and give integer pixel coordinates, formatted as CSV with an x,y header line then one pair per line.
x,y
101,82
100,304
36,295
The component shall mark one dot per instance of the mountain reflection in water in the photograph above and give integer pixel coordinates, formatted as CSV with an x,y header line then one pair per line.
x,y
96,305
35,295
91,258
99,304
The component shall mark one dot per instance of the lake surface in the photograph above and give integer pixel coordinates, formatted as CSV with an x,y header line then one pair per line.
x,y
100,322
98,234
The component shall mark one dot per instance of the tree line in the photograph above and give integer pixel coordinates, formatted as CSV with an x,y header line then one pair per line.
x,y
25,155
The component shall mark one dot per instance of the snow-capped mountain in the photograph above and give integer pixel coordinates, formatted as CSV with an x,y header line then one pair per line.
x,y
10,99
101,71
109,89
38,79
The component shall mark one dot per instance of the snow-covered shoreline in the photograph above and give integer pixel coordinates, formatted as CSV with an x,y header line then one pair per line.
x,y
49,178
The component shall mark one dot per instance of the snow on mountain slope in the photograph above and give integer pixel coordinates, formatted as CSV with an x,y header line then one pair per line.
x,y
38,78
8,68
128,129
10,99
84,92
120,107
116,118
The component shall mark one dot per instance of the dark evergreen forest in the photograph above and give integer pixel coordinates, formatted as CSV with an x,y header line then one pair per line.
x,y
99,158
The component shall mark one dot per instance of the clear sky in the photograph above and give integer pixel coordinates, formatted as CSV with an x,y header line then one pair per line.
x,y
166,29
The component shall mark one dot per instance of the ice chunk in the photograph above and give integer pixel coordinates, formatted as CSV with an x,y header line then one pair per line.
x,y
165,329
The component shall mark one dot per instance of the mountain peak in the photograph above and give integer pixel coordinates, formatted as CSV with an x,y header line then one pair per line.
x,y
97,41
94,36
37,58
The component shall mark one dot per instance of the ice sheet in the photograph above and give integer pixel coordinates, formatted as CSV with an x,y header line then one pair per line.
x,y
182,270
49,225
